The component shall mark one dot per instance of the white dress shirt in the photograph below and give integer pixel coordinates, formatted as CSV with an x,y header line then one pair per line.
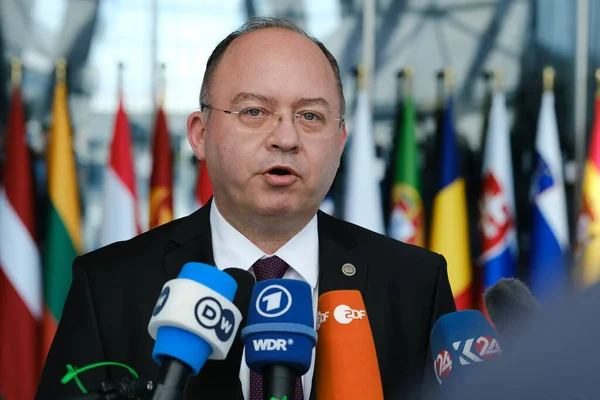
x,y
301,253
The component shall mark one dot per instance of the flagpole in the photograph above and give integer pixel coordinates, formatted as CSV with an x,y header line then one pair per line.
x,y
368,56
16,72
160,91
580,94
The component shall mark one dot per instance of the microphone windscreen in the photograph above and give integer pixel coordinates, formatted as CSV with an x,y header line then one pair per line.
x,y
460,341
510,304
280,327
346,360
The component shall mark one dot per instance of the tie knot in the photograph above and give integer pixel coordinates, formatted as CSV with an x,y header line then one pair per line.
x,y
270,268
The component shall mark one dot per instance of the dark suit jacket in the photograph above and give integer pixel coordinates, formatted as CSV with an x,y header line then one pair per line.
x,y
114,290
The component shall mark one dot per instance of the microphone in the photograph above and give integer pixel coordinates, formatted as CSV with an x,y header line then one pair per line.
x,y
346,360
510,305
195,320
279,336
459,341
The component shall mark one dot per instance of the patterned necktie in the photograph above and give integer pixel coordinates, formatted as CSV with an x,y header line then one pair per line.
x,y
270,268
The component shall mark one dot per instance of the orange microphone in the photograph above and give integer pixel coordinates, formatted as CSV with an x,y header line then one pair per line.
x,y
346,361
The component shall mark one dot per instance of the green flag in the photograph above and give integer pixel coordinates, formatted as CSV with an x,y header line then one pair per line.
x,y
407,219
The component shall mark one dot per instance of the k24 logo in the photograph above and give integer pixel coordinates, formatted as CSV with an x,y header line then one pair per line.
x,y
443,365
486,348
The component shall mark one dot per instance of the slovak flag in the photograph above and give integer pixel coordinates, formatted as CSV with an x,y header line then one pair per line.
x,y
497,204
549,231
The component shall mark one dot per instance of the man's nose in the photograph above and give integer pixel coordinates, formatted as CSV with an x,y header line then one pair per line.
x,y
285,135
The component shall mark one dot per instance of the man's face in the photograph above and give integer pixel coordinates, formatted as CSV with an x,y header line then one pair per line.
x,y
287,171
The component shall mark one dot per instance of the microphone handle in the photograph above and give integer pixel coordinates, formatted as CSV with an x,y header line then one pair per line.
x,y
279,381
172,380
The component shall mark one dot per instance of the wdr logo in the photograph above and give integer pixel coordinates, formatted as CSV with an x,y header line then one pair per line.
x,y
443,365
273,301
211,315
272,344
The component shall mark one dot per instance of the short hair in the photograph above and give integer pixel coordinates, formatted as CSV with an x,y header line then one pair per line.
x,y
255,24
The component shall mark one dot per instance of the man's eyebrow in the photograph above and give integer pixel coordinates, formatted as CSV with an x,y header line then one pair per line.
x,y
311,102
245,96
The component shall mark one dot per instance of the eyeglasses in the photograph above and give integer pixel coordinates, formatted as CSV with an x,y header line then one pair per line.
x,y
317,120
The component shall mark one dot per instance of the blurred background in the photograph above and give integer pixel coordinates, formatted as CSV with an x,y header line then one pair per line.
x,y
433,68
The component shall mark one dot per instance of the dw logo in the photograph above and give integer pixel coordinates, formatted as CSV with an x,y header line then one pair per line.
x,y
273,301
162,300
211,315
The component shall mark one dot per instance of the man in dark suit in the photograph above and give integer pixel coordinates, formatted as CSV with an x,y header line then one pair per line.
x,y
272,132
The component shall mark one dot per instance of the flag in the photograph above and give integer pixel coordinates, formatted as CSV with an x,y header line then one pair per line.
x,y
20,267
161,180
497,204
203,190
63,235
449,225
407,222
549,229
120,220
588,247
362,202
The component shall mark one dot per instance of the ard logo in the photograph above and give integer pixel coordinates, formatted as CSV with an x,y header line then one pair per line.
x,y
443,365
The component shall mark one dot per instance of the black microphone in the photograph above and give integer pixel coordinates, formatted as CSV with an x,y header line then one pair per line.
x,y
510,305
194,320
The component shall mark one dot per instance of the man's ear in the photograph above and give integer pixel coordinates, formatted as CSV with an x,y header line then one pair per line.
x,y
196,127
343,138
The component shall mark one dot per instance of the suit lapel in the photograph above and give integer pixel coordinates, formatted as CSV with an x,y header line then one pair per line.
x,y
337,248
192,242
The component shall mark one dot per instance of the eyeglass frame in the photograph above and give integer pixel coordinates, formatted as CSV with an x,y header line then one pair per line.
x,y
341,119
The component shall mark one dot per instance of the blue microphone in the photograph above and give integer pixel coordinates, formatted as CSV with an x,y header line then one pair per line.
x,y
279,336
461,341
194,320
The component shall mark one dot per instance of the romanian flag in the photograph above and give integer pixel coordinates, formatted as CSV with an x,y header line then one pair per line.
x,y
588,224
449,226
407,219
63,235
161,181
20,268
203,190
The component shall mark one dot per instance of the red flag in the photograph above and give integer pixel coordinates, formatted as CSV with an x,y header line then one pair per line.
x,y
120,220
203,186
20,270
161,181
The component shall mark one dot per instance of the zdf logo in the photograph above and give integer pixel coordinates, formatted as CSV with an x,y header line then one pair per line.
x,y
344,314
211,315
273,301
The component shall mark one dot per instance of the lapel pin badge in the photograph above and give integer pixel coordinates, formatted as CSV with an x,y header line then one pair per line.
x,y
348,269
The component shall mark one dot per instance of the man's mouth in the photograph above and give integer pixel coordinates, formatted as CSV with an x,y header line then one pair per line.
x,y
281,171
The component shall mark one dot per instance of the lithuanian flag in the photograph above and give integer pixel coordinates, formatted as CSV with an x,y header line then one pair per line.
x,y
63,236
449,226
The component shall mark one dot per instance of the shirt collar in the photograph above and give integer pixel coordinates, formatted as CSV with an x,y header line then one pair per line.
x,y
232,249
